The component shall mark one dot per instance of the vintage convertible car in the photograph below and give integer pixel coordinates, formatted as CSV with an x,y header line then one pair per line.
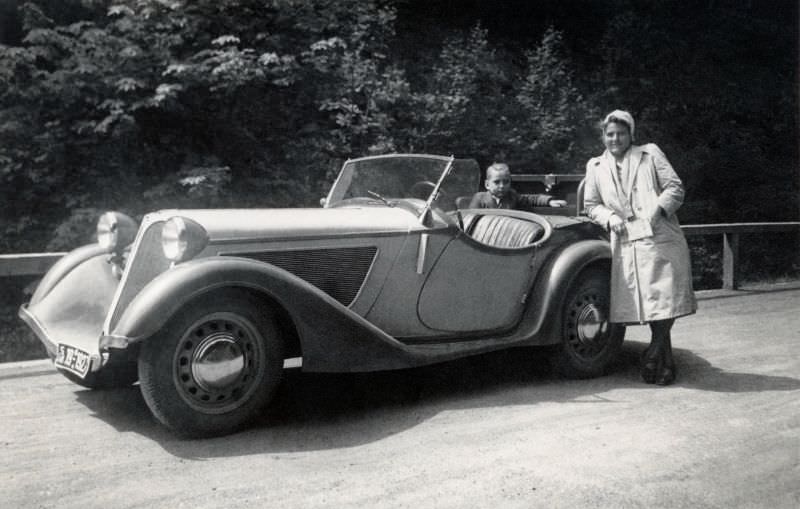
x,y
203,307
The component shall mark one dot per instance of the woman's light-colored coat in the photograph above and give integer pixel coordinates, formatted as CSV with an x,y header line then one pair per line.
x,y
651,278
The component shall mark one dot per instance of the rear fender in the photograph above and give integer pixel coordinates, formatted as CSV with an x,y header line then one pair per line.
x,y
332,337
543,318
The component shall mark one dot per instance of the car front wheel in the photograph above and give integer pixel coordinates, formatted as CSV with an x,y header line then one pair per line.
x,y
589,342
215,365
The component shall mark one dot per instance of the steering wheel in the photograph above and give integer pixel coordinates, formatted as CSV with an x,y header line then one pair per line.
x,y
423,190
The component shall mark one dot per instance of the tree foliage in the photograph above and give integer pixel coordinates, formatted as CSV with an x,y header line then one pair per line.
x,y
143,104
712,87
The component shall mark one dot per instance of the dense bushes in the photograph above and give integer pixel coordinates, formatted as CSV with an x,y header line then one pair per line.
x,y
143,104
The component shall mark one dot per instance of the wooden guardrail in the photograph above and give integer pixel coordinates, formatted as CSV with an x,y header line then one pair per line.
x,y
35,264
730,242
27,264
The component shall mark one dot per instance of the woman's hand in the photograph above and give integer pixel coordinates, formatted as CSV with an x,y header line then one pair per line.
x,y
657,214
616,224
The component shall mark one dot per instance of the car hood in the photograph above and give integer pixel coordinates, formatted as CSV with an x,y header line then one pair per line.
x,y
245,224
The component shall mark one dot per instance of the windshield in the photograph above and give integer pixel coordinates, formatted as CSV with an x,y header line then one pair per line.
x,y
387,179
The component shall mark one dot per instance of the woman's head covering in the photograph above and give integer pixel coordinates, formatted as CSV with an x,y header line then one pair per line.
x,y
623,117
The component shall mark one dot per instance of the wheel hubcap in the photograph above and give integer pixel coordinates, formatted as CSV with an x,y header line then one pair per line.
x,y
591,324
588,328
217,363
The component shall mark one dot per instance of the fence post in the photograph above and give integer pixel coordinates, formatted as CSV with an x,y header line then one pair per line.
x,y
730,260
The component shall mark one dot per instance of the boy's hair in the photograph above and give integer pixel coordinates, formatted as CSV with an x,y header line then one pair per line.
x,y
497,167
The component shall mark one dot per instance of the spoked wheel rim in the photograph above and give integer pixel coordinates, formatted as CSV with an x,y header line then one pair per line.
x,y
218,363
588,328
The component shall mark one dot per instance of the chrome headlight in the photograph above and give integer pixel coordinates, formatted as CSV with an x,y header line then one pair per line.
x,y
182,238
115,231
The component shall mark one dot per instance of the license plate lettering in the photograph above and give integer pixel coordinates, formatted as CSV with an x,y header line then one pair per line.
x,y
73,360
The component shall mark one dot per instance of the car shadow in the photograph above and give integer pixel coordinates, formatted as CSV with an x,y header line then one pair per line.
x,y
313,411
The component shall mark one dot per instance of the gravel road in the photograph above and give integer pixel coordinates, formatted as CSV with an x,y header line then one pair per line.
x,y
498,430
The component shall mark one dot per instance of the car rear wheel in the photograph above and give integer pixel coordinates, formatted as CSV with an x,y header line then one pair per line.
x,y
214,367
589,342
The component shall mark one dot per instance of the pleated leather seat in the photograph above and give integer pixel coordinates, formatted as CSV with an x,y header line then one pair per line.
x,y
503,231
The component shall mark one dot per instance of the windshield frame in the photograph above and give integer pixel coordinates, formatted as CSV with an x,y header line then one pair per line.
x,y
467,180
435,191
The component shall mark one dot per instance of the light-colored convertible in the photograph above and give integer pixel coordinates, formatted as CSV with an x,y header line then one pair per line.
x,y
204,306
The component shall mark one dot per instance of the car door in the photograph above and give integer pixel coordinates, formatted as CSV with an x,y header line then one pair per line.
x,y
475,286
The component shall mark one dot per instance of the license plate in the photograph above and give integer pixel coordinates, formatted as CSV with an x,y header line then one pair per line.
x,y
73,360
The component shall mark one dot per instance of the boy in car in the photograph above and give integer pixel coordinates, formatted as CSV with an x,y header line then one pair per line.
x,y
499,195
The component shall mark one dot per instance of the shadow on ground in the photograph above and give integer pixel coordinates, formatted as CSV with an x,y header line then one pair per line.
x,y
323,411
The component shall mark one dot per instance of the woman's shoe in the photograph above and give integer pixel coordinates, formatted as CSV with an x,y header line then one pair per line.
x,y
649,367
667,372
666,375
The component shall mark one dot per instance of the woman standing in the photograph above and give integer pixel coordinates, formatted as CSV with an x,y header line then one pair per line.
x,y
633,191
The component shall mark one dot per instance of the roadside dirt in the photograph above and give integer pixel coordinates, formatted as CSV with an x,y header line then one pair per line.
x,y
498,430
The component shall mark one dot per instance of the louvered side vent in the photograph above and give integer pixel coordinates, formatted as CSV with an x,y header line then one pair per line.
x,y
338,272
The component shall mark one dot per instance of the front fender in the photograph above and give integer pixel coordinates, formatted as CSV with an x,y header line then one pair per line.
x,y
332,337
543,318
71,303
64,266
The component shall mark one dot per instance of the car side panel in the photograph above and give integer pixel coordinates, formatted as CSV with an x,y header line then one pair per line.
x,y
475,288
395,309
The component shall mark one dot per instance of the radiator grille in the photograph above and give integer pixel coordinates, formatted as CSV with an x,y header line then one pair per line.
x,y
145,264
338,272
